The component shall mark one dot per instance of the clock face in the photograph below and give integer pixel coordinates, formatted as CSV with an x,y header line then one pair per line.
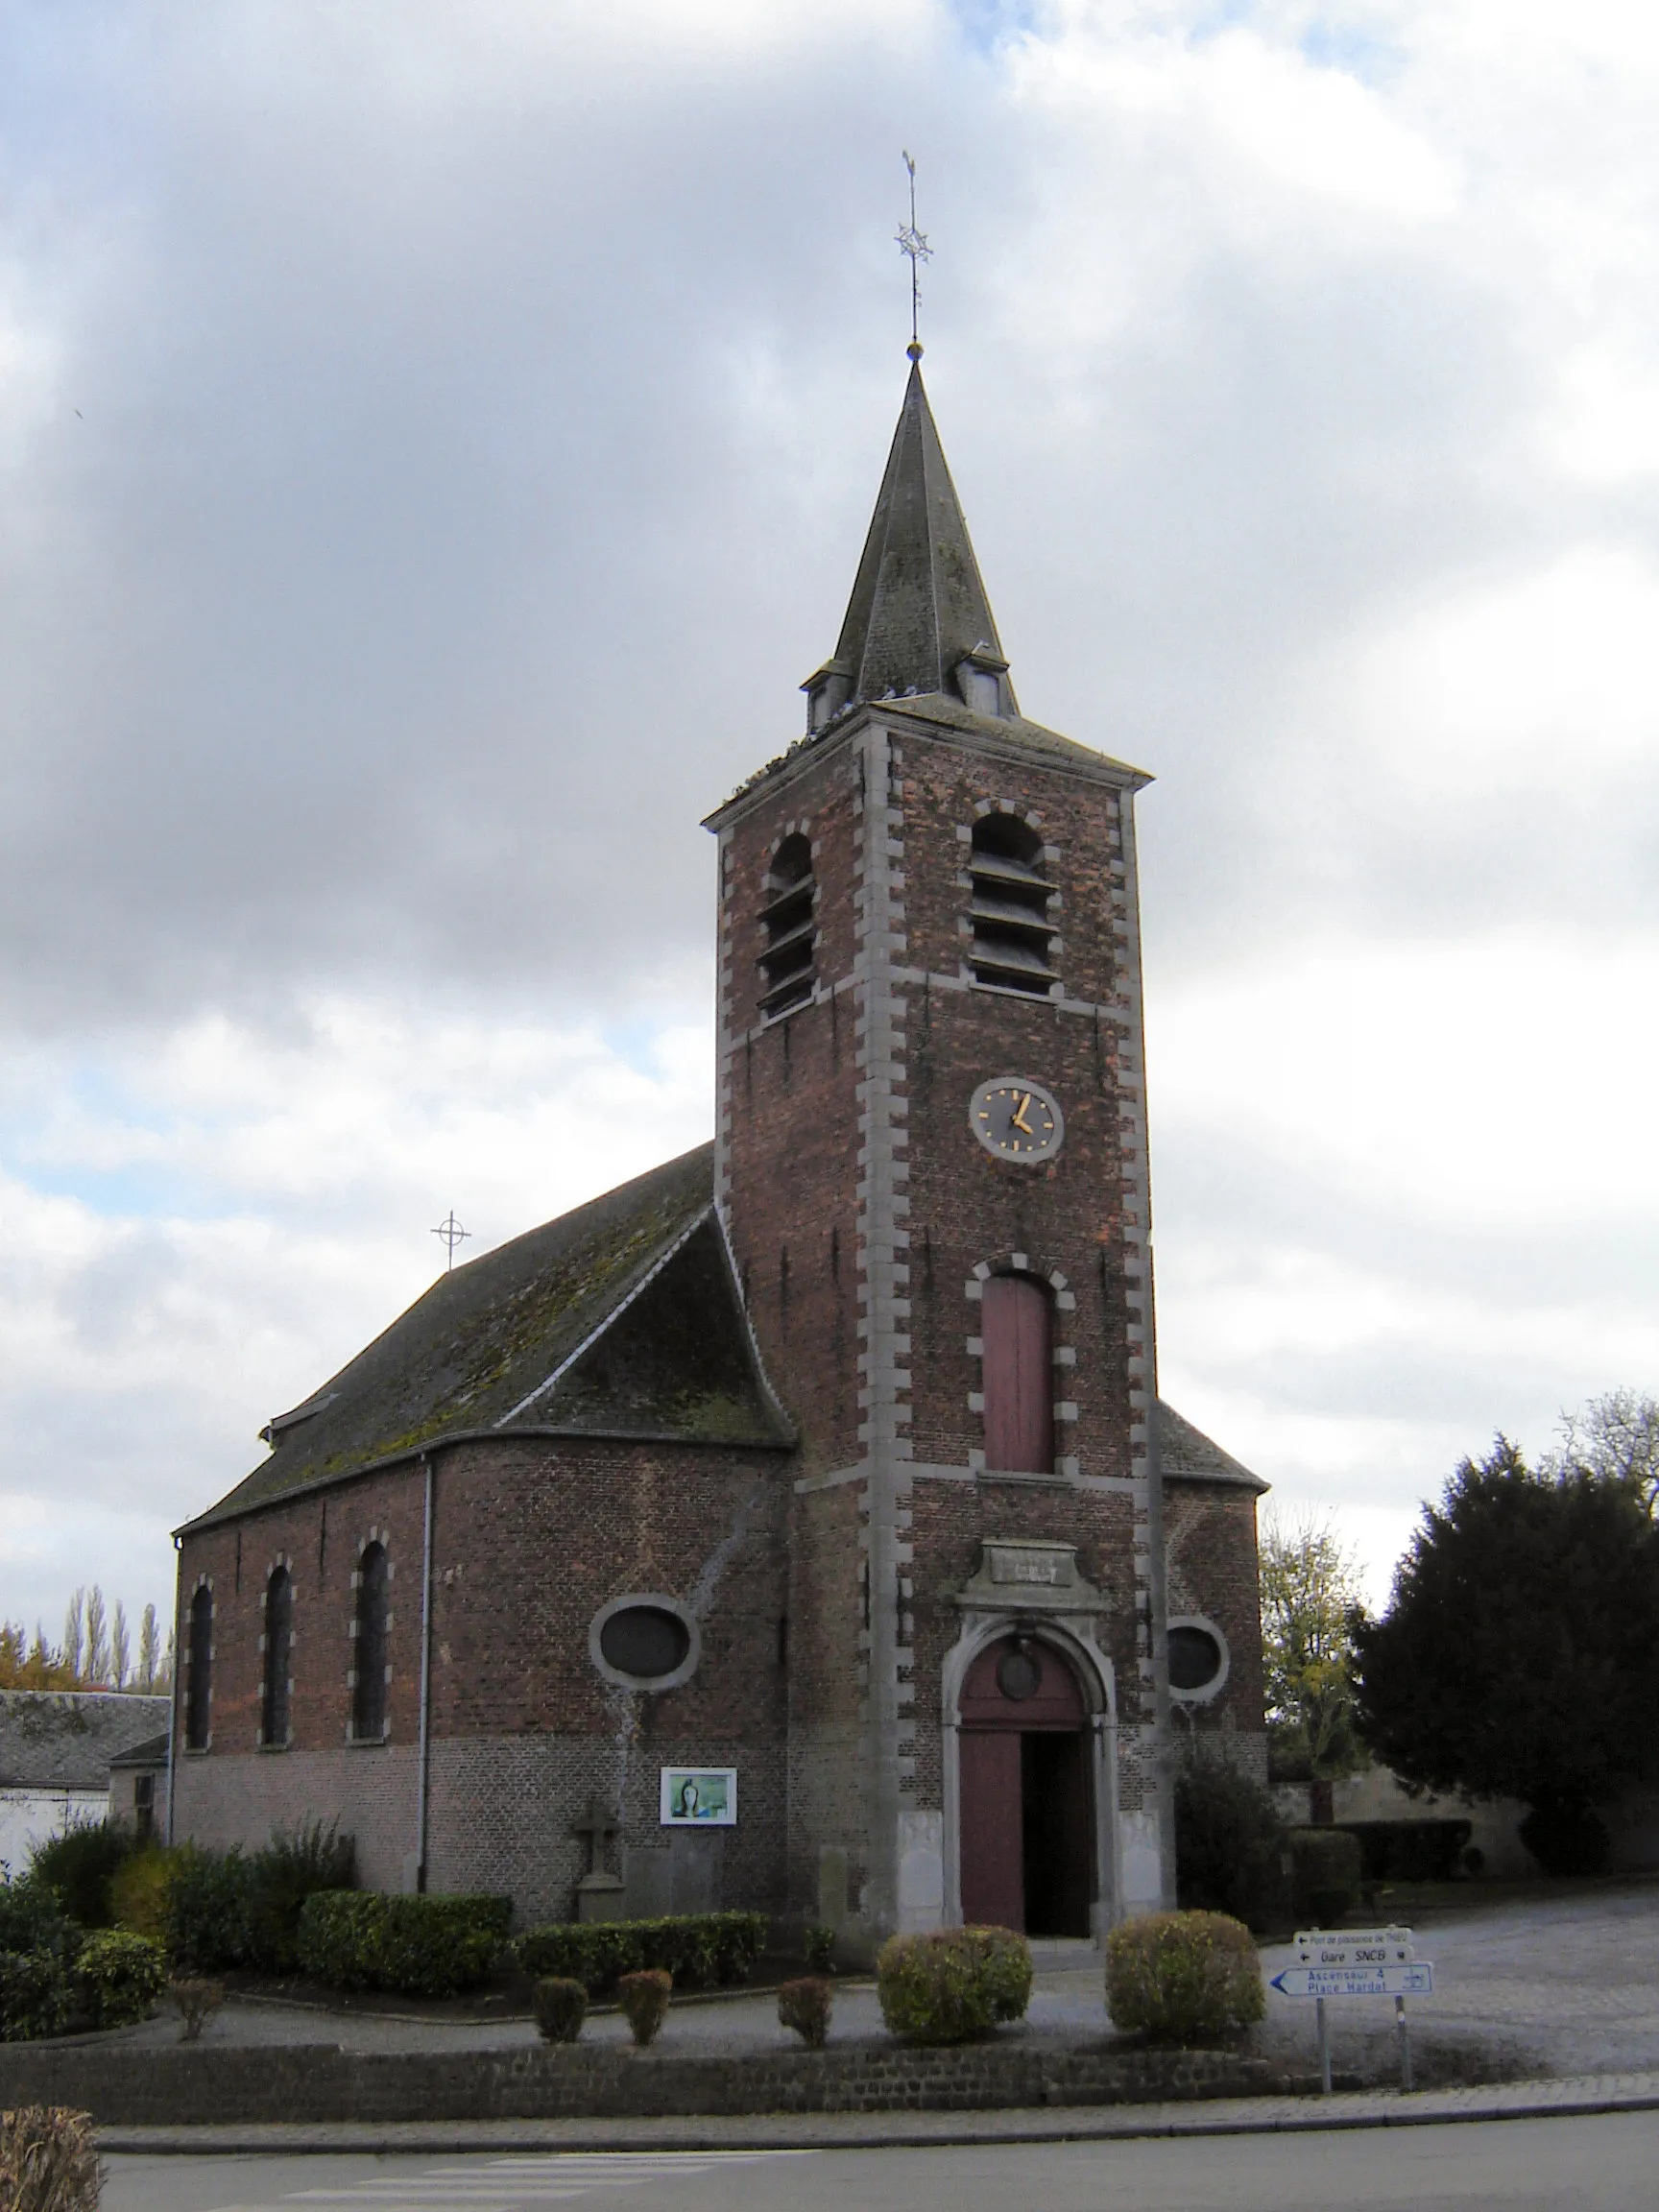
x,y
1016,1120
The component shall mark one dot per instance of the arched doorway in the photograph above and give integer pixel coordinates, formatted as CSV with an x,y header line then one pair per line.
x,y
1027,1817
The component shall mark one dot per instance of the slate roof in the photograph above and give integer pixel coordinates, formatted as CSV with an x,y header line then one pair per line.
x,y
66,1739
1186,1454
618,1319
151,1753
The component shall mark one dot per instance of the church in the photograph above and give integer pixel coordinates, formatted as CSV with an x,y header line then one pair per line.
x,y
797,1528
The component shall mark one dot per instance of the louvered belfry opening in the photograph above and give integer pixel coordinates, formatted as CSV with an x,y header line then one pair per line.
x,y
789,965
1018,1364
1012,936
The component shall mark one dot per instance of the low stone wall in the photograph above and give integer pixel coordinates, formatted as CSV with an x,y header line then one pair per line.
x,y
192,2085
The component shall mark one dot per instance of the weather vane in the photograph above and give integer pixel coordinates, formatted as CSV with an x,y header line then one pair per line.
x,y
452,1234
914,242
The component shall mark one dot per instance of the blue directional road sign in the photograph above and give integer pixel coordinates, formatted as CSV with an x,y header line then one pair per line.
x,y
1414,1981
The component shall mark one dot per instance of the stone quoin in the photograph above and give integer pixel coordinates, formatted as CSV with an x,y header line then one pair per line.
x,y
829,1456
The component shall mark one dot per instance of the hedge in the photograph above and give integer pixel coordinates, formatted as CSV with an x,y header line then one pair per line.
x,y
419,1946
1183,1978
1325,1875
1410,1850
953,1984
234,1911
701,1950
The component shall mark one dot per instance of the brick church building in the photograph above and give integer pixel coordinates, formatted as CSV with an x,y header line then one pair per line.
x,y
797,1527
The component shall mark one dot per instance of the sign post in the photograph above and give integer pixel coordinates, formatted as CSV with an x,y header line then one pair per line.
x,y
1356,1963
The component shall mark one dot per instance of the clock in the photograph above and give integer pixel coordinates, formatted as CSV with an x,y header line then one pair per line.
x,y
1016,1119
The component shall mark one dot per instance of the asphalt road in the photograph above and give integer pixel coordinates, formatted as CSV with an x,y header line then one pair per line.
x,y
1609,2163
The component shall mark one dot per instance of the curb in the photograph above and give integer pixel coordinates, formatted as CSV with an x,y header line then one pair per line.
x,y
1580,2098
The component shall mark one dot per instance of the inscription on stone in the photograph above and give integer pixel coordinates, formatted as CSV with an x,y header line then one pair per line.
x,y
1050,1567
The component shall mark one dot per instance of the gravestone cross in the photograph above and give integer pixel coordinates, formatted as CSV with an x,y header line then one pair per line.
x,y
598,1826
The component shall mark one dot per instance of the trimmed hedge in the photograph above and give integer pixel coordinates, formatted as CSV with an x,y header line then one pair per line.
x,y
1410,1850
118,1979
644,2001
954,1984
1183,1978
419,1946
1325,1875
560,2006
701,1950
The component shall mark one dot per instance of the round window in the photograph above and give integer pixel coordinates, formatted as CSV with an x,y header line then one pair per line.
x,y
1194,1658
1019,1674
644,1641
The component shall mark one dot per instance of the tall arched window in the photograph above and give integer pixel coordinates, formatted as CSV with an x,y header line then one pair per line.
x,y
368,1694
199,1702
1018,1336
1012,936
279,1655
787,965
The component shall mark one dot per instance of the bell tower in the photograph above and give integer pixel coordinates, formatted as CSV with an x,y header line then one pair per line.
x,y
931,1165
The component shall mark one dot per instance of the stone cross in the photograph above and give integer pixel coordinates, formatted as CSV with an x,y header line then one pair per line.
x,y
598,1826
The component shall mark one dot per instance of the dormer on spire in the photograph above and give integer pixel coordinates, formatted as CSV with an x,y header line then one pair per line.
x,y
918,620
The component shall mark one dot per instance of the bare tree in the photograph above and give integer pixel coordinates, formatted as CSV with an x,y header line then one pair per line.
x,y
1614,1437
148,1650
73,1632
120,1648
97,1637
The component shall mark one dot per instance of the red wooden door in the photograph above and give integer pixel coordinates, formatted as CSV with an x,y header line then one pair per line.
x,y
993,1814
1019,1377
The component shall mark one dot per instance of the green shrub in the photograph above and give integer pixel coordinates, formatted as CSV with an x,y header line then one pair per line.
x,y
644,2001
235,1911
700,1950
1410,1850
953,1984
1183,1978
1227,1841
37,1995
805,2007
1566,1840
80,1863
1325,1875
32,1919
48,2160
138,1892
818,1948
420,1946
289,1870
118,1979
560,2006
209,1910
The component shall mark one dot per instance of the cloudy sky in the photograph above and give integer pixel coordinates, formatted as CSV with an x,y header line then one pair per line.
x,y
436,437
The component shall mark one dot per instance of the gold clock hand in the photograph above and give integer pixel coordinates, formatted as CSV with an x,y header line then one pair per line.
x,y
1020,1121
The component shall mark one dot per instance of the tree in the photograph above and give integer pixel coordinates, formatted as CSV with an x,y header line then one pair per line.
x,y
1310,1596
72,1634
1616,1438
148,1650
1520,1655
97,1659
120,1649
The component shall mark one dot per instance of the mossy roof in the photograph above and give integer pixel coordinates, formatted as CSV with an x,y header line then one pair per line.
x,y
618,1319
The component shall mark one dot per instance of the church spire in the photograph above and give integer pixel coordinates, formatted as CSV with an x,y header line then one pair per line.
x,y
918,620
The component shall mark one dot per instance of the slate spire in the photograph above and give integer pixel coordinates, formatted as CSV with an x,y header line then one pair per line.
x,y
919,620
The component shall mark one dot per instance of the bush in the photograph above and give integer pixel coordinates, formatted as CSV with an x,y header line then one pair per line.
x,y
37,1996
1227,1841
700,1950
1410,1850
818,1948
229,1912
79,1865
1566,1840
209,1910
560,2006
48,2160
420,1947
1183,1978
1325,1865
118,1979
953,1984
196,1999
805,2007
644,2001
138,1892
32,1919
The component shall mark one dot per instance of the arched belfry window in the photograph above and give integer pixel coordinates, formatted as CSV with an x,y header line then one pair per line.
x,y
278,1656
199,1701
1012,936
788,964
1017,1327
369,1659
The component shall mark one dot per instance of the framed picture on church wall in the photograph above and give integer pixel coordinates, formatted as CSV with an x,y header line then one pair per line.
x,y
699,1797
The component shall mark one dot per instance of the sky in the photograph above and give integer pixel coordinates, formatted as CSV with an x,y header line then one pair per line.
x,y
435,440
